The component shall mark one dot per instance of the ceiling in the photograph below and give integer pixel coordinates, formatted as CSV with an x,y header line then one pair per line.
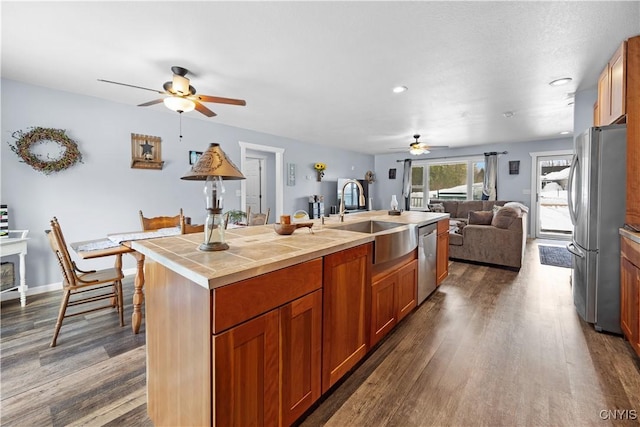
x,y
323,72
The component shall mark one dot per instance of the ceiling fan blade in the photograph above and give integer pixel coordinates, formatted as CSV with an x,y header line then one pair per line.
x,y
204,110
154,102
219,100
137,87
429,147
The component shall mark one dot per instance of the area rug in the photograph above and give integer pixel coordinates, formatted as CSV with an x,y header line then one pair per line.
x,y
557,256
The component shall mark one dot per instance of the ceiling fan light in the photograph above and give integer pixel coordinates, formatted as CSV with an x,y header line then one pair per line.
x,y
417,150
179,104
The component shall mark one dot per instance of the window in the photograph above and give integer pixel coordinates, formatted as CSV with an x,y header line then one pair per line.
x,y
452,180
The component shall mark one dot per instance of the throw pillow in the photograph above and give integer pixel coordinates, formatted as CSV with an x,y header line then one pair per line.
x,y
504,217
437,207
480,217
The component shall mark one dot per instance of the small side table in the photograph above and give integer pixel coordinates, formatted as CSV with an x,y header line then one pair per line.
x,y
16,244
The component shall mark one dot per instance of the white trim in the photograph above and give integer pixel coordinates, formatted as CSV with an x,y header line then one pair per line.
x,y
534,227
51,287
279,174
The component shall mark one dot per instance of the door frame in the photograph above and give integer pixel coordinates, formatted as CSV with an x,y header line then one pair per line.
x,y
535,227
278,173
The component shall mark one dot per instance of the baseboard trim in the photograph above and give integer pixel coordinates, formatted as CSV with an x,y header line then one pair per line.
x,y
11,295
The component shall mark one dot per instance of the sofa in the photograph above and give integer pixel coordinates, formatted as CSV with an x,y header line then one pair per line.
x,y
492,232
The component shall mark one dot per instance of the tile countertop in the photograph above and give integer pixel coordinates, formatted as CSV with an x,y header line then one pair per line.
x,y
259,249
635,237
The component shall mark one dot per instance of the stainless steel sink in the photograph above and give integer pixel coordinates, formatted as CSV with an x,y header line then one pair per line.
x,y
392,239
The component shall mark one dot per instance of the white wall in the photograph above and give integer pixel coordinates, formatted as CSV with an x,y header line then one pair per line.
x,y
103,194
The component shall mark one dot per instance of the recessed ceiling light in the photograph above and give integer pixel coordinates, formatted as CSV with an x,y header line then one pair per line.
x,y
565,132
508,114
399,89
560,82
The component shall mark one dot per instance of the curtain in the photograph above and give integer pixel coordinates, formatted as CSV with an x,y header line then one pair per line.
x,y
489,187
406,184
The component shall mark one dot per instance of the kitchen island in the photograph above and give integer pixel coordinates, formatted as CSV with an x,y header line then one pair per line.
x,y
255,334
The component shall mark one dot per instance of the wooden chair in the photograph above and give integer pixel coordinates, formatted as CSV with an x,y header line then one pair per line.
x,y
188,228
158,222
257,218
77,282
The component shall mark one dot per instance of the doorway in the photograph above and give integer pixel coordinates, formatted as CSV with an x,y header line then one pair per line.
x,y
550,172
276,177
255,173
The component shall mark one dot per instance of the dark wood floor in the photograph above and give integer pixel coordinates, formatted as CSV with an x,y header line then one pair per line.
x,y
490,347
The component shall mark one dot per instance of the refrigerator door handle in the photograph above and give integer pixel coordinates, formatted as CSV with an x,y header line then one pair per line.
x,y
574,250
571,204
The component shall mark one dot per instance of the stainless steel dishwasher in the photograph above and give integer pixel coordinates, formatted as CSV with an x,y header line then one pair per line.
x,y
427,243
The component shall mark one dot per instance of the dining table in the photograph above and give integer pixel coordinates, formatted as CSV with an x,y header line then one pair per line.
x,y
117,244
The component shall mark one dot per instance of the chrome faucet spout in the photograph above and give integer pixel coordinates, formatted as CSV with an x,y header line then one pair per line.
x,y
361,199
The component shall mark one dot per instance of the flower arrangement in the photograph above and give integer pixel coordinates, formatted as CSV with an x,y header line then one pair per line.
x,y
37,135
320,168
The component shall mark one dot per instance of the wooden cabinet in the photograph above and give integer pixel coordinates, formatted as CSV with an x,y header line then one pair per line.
x,y
301,343
247,373
612,89
242,354
633,130
630,292
347,302
384,312
276,354
442,251
407,289
394,293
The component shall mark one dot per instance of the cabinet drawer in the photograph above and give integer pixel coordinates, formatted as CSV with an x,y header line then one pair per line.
x,y
630,250
249,298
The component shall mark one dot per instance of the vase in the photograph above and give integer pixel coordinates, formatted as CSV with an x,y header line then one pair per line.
x,y
320,175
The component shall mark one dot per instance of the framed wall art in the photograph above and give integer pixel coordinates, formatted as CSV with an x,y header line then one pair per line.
x,y
146,152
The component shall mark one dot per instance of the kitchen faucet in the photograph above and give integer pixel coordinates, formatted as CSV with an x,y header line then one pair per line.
x,y
361,201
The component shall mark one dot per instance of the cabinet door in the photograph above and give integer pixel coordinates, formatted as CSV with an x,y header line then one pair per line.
x,y
246,373
629,300
407,289
604,96
346,302
617,77
442,251
301,340
383,307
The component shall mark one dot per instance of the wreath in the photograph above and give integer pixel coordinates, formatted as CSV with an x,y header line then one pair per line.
x,y
38,135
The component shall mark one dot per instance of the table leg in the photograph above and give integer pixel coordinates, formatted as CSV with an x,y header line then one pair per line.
x,y
138,295
23,282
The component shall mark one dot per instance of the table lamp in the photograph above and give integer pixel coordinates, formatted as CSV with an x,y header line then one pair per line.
x,y
213,166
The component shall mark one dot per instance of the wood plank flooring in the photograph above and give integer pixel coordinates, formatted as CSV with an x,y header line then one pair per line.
x,y
489,347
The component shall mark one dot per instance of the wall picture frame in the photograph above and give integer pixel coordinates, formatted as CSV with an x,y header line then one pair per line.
x,y
194,156
146,152
514,167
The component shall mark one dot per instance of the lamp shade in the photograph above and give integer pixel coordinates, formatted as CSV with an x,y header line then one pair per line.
x,y
213,162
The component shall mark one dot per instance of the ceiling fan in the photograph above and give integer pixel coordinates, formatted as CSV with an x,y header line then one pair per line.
x,y
416,148
181,96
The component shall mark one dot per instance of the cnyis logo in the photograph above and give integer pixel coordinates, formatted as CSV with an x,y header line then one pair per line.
x,y
618,414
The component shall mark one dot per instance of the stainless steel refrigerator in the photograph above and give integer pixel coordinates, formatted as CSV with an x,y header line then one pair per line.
x,y
596,193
